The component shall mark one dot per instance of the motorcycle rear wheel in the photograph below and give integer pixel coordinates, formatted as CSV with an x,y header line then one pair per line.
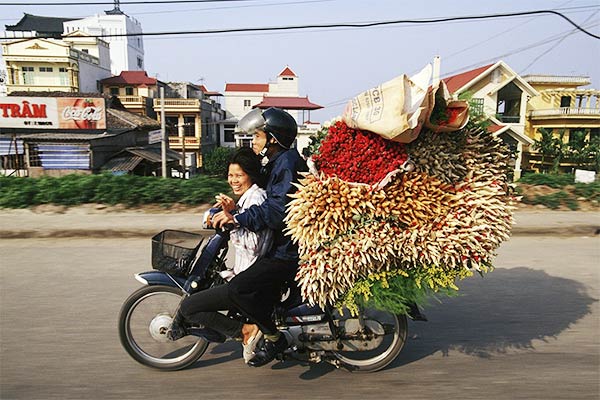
x,y
396,328
143,322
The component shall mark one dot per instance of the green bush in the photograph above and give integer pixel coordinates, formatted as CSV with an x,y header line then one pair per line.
x,y
554,200
215,162
552,180
107,189
591,191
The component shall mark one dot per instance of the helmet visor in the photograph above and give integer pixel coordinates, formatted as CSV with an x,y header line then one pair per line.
x,y
251,122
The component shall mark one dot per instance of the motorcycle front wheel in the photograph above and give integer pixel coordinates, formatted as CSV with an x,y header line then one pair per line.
x,y
396,331
143,322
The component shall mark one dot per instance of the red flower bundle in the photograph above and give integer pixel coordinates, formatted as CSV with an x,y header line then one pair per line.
x,y
358,156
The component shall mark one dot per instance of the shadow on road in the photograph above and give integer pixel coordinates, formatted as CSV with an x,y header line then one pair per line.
x,y
506,310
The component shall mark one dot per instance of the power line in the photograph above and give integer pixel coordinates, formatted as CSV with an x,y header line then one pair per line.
x,y
556,44
556,38
121,3
353,25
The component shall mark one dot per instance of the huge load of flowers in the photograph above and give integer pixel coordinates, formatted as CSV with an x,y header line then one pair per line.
x,y
389,223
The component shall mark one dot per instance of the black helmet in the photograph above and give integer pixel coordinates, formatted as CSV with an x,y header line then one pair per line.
x,y
274,121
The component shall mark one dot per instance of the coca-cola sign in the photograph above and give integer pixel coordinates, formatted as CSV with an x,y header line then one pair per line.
x,y
53,113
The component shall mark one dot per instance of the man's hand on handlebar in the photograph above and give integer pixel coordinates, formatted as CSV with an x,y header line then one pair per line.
x,y
222,218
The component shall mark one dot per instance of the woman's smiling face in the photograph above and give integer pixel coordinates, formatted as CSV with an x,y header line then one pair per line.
x,y
238,179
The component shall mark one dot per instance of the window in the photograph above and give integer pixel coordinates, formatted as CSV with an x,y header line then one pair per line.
x,y
508,107
171,125
247,104
140,62
189,125
63,76
86,51
129,91
28,78
114,91
565,101
477,105
46,69
285,78
229,133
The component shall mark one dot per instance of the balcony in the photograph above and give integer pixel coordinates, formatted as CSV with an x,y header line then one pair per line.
x,y
565,112
508,119
191,142
41,88
178,105
132,100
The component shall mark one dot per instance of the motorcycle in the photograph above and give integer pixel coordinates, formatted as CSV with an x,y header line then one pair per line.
x,y
183,264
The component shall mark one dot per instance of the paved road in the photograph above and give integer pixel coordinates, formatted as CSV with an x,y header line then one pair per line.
x,y
529,330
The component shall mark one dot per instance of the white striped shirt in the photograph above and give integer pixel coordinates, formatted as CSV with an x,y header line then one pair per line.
x,y
249,246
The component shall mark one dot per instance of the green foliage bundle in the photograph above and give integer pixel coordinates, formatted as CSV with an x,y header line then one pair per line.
x,y
216,162
131,190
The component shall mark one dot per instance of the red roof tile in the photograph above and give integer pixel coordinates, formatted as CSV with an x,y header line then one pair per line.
x,y
455,82
287,72
287,103
130,78
494,128
247,87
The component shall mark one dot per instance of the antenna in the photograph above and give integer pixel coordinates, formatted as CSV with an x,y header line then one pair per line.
x,y
116,10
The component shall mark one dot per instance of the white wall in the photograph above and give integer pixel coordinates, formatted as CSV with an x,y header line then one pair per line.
x,y
124,51
234,102
89,75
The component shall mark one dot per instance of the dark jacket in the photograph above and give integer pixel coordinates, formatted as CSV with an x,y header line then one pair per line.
x,y
282,170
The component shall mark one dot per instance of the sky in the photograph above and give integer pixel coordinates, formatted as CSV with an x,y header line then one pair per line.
x,y
334,65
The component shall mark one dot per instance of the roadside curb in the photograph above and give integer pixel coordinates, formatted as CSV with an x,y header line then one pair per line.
x,y
575,230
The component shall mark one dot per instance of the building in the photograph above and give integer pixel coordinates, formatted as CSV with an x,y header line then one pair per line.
x,y
193,122
193,116
135,90
240,98
36,26
562,107
74,64
502,95
62,133
126,52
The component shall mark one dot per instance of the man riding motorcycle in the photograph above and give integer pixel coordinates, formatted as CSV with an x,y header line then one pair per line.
x,y
257,290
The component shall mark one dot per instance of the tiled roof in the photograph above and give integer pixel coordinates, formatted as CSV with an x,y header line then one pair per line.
x,y
54,136
25,93
125,119
287,103
130,157
455,82
45,25
247,87
287,72
494,128
130,78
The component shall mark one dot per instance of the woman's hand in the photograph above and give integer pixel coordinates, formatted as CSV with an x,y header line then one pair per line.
x,y
222,218
225,202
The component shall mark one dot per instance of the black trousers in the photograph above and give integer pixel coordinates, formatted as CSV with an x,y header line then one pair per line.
x,y
256,291
201,309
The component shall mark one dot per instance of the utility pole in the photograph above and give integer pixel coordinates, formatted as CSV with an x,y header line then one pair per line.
x,y
163,147
182,135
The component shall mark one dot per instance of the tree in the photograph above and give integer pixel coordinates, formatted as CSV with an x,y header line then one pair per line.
x,y
551,148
